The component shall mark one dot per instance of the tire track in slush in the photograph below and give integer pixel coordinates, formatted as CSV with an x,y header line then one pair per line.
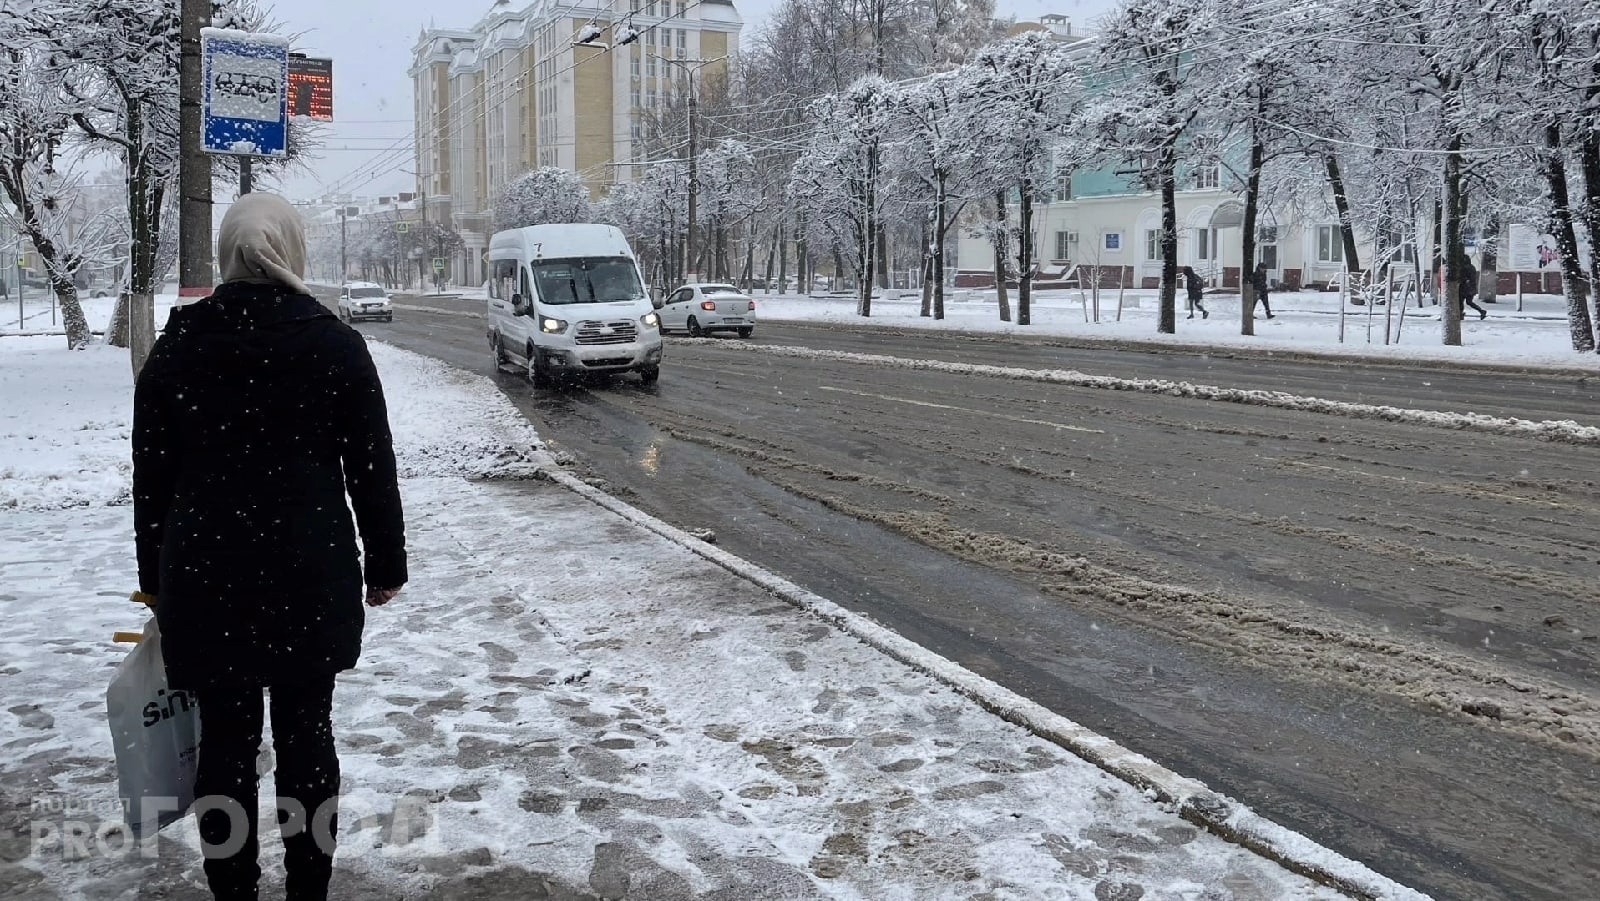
x,y
1317,647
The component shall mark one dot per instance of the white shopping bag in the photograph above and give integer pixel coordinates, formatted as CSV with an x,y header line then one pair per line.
x,y
156,734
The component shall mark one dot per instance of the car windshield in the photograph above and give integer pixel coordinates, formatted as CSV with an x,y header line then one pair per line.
x,y
719,289
587,280
366,292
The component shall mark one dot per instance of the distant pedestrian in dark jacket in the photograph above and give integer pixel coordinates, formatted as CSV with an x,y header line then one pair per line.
x,y
1192,284
1258,279
1468,289
255,414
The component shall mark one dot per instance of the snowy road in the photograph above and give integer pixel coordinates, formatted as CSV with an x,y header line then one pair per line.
x,y
1381,634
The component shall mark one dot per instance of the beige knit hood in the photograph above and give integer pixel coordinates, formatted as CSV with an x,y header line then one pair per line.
x,y
264,242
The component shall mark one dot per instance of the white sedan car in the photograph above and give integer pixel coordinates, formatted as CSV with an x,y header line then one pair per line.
x,y
364,300
701,309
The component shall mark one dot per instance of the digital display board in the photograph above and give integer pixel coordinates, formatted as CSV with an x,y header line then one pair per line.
x,y
311,87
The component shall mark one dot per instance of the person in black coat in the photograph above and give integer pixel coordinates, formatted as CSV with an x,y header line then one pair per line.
x,y
256,412
1468,289
1258,279
1192,284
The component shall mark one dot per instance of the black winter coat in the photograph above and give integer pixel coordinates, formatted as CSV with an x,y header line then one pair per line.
x,y
255,413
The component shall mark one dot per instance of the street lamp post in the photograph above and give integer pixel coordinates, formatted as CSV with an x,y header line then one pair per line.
x,y
690,68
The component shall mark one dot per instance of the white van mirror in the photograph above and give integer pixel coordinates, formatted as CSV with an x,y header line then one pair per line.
x,y
518,305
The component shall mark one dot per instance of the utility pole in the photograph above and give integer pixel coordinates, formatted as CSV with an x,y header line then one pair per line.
x,y
690,68
344,266
194,166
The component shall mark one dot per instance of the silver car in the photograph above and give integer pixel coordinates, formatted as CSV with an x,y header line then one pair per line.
x,y
701,309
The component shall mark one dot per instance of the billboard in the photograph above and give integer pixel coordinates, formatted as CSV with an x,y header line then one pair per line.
x,y
1535,251
245,100
311,87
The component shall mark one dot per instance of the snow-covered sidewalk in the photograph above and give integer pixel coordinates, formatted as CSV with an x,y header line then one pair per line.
x,y
562,703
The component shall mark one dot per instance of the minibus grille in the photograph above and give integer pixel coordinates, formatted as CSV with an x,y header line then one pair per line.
x,y
622,331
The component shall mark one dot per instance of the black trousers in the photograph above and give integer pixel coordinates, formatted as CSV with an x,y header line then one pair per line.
x,y
1264,298
307,777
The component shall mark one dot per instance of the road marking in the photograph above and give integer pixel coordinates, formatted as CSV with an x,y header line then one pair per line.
x,y
924,403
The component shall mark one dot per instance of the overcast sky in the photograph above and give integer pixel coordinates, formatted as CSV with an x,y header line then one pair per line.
x,y
370,42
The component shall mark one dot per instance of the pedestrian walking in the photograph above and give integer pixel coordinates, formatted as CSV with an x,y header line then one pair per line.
x,y
1258,279
1191,283
255,414
1469,289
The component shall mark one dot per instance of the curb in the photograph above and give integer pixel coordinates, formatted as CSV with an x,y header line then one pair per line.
x,y
1235,351
1192,800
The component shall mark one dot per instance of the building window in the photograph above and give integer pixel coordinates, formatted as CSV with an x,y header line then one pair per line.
x,y
683,38
1066,245
1205,244
1330,244
636,67
1205,178
650,67
650,8
635,98
1152,244
1063,188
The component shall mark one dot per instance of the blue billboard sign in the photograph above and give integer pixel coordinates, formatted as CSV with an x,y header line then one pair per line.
x,y
245,105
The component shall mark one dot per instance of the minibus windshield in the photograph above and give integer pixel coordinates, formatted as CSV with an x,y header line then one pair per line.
x,y
587,280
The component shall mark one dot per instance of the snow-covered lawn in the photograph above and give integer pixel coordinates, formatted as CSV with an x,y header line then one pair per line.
x,y
1304,321
561,701
38,315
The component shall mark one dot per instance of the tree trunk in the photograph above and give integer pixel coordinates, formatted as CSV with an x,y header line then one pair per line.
x,y
881,256
1437,257
1589,156
871,236
941,229
1579,324
783,261
772,257
117,329
1002,219
1025,254
1450,252
1252,203
1489,260
927,274
1168,324
1341,202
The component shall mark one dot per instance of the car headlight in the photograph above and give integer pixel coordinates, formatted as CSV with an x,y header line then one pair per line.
x,y
552,326
650,320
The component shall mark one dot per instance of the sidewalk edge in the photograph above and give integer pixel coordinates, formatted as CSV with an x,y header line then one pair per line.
x,y
1193,800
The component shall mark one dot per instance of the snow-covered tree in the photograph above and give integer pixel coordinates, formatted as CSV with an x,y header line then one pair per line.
x,y
836,182
1025,94
650,212
728,197
38,183
937,159
547,194
1150,99
1268,102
